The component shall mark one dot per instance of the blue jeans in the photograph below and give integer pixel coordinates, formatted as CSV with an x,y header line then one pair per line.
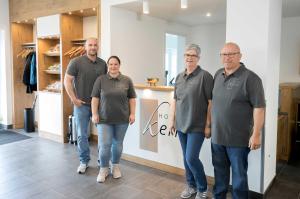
x,y
110,142
222,158
191,144
82,116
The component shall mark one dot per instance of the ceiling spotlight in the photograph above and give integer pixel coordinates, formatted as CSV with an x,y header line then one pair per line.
x,y
26,20
70,13
94,9
18,21
208,14
146,7
183,4
34,19
81,11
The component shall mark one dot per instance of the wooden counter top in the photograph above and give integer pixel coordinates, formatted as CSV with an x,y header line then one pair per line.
x,y
155,88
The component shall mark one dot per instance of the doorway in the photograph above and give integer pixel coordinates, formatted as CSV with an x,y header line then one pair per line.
x,y
174,62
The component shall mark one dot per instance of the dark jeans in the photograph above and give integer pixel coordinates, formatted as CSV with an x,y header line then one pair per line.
x,y
222,158
191,144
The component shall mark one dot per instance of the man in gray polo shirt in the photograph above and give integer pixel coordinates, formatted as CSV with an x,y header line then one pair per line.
x,y
79,80
238,107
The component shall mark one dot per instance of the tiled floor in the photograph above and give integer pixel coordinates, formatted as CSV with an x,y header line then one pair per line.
x,y
287,182
38,168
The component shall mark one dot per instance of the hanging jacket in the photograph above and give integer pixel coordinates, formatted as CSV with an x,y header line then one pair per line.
x,y
26,75
33,78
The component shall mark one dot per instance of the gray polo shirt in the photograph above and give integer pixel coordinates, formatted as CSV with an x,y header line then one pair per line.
x,y
85,72
234,98
114,95
192,93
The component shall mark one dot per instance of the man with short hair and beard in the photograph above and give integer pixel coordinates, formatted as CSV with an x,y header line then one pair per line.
x,y
79,80
238,107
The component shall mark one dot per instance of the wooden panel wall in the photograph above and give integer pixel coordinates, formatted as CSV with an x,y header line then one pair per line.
x,y
29,9
20,33
71,28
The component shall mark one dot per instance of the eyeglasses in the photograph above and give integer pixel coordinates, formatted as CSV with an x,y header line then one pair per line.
x,y
192,56
229,54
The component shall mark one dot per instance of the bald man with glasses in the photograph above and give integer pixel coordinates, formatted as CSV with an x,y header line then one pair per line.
x,y
238,106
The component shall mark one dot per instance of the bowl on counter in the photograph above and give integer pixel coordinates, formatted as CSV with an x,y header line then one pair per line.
x,y
152,81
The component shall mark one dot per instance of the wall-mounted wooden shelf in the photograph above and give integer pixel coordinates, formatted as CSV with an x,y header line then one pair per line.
x,y
44,61
51,37
53,90
52,72
50,54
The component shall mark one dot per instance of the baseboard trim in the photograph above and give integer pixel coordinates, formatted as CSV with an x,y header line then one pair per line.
x,y
4,126
268,189
51,136
160,166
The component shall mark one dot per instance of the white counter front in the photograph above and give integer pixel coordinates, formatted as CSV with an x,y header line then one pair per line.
x,y
148,138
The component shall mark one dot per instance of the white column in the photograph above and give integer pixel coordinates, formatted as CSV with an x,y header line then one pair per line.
x,y
256,26
5,65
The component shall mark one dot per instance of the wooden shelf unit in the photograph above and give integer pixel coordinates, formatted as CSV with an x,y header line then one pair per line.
x,y
22,34
71,28
289,99
44,61
54,121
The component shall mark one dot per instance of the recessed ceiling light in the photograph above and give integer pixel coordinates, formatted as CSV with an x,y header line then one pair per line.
x,y
94,9
183,4
26,20
18,21
208,14
70,13
81,11
146,7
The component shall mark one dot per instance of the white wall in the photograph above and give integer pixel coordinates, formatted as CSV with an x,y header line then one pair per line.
x,y
139,40
290,50
5,65
211,39
2,63
90,27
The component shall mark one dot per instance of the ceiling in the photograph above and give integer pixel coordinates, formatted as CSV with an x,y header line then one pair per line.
x,y
195,14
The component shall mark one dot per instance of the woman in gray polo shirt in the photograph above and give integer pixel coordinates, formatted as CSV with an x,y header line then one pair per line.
x,y
113,108
191,118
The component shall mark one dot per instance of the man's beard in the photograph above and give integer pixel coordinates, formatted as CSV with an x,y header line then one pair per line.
x,y
92,53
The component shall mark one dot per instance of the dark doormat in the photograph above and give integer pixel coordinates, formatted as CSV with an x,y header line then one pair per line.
x,y
7,136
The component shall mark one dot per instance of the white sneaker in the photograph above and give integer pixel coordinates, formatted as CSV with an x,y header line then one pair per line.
x,y
116,172
82,168
201,195
103,173
188,192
